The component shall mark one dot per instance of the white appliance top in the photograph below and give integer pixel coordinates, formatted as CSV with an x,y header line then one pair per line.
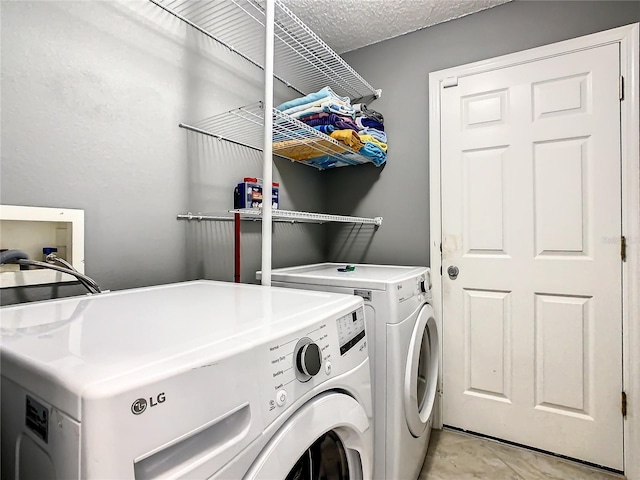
x,y
375,277
135,335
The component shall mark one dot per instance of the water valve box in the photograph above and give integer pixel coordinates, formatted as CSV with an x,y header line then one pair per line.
x,y
248,194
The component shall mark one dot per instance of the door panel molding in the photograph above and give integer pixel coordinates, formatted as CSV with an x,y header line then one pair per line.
x,y
628,39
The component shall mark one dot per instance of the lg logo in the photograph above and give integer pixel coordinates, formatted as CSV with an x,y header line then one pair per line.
x,y
140,405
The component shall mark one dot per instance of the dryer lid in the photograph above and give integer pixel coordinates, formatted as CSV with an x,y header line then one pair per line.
x,y
374,277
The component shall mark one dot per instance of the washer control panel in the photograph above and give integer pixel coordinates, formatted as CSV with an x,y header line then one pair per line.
x,y
350,330
297,363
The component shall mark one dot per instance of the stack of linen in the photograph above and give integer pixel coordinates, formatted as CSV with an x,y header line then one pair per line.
x,y
354,127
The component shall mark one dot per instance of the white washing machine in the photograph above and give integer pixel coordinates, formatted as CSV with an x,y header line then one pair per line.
x,y
192,380
404,351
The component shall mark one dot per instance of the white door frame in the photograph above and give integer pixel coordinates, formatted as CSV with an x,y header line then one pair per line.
x,y
628,38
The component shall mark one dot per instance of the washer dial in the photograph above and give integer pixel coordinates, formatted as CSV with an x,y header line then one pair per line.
x,y
308,359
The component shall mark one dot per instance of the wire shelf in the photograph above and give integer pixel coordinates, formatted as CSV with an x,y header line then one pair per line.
x,y
302,60
292,139
290,216
207,217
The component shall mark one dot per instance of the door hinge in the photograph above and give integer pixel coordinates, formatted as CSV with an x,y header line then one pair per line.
x,y
624,404
440,247
621,88
623,248
440,270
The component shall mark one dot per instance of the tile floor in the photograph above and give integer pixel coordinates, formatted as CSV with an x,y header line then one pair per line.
x,y
457,456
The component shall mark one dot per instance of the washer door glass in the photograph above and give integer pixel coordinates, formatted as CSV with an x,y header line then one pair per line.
x,y
421,375
326,459
328,438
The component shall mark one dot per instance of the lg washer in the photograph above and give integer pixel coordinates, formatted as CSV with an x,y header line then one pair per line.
x,y
191,380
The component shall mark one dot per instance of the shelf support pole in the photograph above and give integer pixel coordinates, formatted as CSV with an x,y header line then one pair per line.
x,y
236,248
267,175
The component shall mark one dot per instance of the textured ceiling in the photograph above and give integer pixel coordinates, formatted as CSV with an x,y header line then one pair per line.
x,y
350,24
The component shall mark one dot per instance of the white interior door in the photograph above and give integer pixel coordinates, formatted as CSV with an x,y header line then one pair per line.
x,y
531,217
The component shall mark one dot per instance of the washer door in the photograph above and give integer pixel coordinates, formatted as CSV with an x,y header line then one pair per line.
x,y
325,459
421,374
328,438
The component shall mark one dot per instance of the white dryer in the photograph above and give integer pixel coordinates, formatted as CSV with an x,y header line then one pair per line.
x,y
192,380
404,352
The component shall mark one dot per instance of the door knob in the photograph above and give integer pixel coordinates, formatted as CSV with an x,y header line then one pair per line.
x,y
453,272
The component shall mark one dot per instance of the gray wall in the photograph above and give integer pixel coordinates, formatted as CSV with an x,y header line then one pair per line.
x,y
92,94
401,66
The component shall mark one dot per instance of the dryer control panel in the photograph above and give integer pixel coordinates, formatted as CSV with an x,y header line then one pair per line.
x,y
295,364
424,286
410,294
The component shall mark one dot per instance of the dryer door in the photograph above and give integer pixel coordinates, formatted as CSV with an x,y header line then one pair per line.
x,y
328,438
421,375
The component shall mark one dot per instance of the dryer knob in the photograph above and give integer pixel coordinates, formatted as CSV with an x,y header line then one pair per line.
x,y
309,359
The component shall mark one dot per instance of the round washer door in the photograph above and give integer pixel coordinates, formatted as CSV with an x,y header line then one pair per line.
x,y
329,437
421,374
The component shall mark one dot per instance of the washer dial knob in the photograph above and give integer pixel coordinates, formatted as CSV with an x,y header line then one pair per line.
x,y
309,359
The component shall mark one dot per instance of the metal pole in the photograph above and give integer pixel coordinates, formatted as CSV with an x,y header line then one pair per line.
x,y
267,175
236,248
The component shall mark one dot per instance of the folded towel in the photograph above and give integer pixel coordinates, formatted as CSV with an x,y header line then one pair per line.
x,y
316,116
308,111
369,138
339,109
325,92
305,106
328,107
364,122
348,137
296,150
318,103
374,153
306,149
338,121
374,133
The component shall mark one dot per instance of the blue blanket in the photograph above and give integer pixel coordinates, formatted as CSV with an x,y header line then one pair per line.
x,y
312,97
